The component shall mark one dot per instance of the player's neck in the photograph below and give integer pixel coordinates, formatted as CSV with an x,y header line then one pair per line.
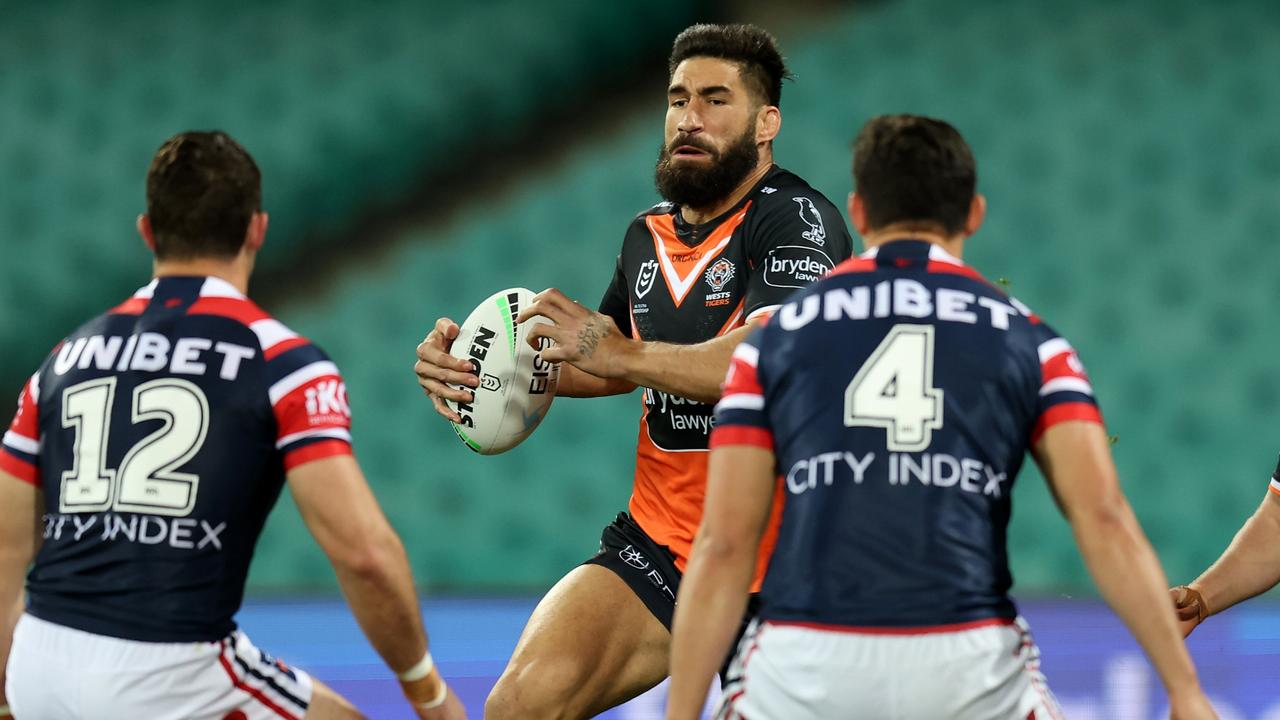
x,y
952,244
697,216
231,271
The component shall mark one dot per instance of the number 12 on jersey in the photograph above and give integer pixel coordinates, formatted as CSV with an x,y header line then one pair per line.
x,y
147,480
894,390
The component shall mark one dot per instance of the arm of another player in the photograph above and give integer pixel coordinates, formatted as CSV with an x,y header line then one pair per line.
x,y
437,370
591,342
1076,458
342,514
19,540
713,592
1249,566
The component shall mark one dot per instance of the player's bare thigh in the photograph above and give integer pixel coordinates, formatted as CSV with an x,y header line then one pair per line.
x,y
326,704
590,645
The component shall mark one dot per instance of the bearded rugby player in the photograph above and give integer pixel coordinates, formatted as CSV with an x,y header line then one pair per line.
x,y
736,235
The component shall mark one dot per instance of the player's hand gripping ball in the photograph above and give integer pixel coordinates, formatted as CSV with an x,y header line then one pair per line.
x,y
516,385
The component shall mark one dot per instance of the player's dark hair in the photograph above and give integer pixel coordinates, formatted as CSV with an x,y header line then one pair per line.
x,y
202,190
913,169
753,49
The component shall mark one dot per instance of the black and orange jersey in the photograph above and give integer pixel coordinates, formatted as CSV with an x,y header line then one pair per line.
x,y
682,283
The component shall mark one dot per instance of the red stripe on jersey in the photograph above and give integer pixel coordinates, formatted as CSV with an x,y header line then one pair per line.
x,y
742,378
1064,364
234,308
253,692
741,435
26,422
853,265
1087,412
283,346
21,469
132,306
294,415
316,451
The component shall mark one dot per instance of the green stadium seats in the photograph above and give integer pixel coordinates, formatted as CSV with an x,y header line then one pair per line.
x,y
347,107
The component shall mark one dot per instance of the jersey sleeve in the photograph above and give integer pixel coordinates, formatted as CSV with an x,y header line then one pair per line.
x,y
741,418
797,237
1065,391
616,303
309,399
20,449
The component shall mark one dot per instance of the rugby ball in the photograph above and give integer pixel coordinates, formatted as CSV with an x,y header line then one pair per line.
x,y
516,384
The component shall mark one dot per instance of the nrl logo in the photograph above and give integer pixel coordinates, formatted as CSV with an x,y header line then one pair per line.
x,y
817,232
648,273
719,274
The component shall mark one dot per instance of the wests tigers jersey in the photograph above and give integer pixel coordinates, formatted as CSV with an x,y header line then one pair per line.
x,y
160,433
682,283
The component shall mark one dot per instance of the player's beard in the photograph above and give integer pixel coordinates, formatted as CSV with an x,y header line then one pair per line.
x,y
701,185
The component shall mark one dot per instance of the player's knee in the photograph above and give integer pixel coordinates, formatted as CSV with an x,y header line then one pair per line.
x,y
551,691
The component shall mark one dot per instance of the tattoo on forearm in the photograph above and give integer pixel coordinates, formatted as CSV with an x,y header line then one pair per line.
x,y
589,337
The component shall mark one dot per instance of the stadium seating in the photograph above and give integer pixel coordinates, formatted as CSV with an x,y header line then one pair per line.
x,y
1132,186
347,107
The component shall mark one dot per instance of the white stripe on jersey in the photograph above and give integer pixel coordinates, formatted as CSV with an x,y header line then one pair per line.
x,y
767,310
217,287
1066,384
740,401
937,254
1275,484
271,332
870,254
334,433
21,443
35,388
300,377
748,354
147,290
1050,349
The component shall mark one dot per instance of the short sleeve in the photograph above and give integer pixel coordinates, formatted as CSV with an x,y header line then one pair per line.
x,y
20,450
309,399
1065,391
1275,480
616,303
741,418
798,236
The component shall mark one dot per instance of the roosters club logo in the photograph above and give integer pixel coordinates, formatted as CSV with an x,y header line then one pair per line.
x,y
648,273
719,274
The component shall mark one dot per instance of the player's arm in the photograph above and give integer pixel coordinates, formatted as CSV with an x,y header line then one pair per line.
x,y
1249,566
19,539
439,372
1075,456
713,592
592,343
344,517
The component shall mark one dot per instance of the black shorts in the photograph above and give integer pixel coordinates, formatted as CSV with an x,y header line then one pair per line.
x,y
649,569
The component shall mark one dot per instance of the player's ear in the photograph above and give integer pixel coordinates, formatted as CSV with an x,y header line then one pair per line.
x,y
858,214
256,234
768,123
977,213
145,231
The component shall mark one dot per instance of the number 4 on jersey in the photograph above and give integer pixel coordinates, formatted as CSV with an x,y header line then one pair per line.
x,y
894,390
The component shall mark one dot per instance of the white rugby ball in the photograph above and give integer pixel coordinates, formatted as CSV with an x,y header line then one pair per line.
x,y
516,384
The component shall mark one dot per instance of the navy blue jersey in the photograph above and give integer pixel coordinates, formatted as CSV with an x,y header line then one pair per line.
x,y
160,434
900,395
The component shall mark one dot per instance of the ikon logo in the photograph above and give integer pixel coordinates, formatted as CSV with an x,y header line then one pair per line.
x,y
648,273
